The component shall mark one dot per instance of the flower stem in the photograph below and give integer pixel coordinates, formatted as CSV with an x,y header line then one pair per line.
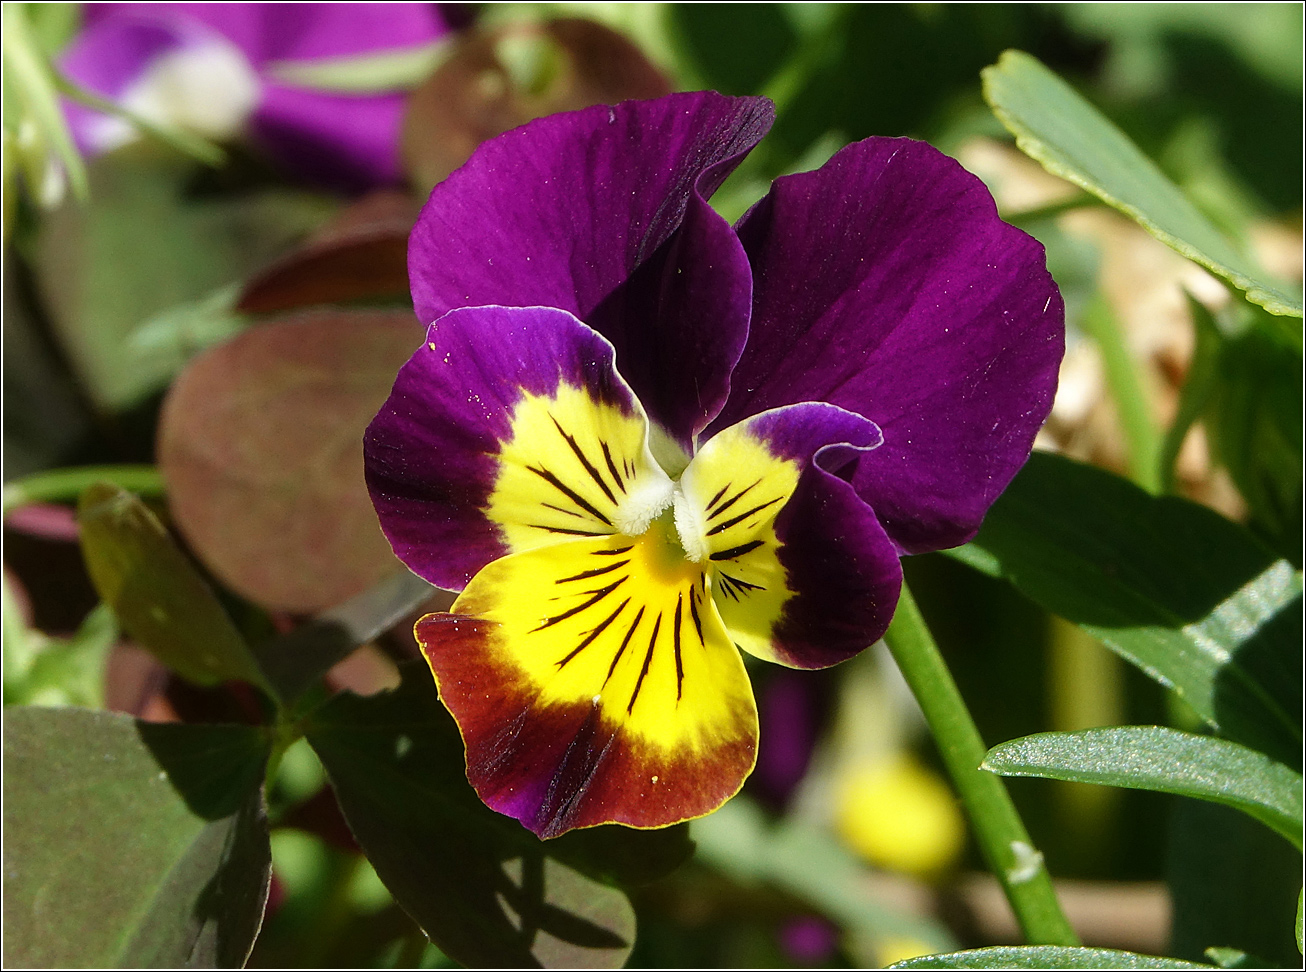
x,y
65,485
998,828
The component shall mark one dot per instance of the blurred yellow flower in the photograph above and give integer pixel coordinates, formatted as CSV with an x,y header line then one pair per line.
x,y
899,815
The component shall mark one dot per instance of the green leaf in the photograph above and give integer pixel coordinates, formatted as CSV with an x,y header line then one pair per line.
x,y
397,70
1192,599
1254,423
1057,127
27,74
1301,913
1164,760
1233,883
1045,957
130,843
157,594
1203,373
486,890
102,278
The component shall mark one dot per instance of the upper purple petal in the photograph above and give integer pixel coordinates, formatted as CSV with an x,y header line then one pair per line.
x,y
603,213
342,141
885,283
431,453
296,31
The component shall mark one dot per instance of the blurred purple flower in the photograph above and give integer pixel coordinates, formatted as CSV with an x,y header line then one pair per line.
x,y
638,439
213,68
809,939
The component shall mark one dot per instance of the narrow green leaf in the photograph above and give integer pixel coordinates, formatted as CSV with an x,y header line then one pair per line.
x,y
1058,128
131,844
1203,371
1301,913
158,595
397,70
1193,600
486,890
27,69
1045,957
1164,760
1125,379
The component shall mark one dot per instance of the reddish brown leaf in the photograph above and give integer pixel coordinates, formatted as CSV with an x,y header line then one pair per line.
x,y
472,96
361,254
260,442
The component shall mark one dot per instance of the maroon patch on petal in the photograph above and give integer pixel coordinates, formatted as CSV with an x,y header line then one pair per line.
x,y
559,766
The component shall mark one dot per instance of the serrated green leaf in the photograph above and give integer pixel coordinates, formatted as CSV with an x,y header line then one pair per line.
x,y
1192,599
1059,129
482,887
130,843
1045,957
157,594
1164,760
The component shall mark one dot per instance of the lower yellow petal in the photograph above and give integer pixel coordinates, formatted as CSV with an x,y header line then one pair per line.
x,y
594,682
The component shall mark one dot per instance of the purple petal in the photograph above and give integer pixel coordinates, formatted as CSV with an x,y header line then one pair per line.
x,y
602,213
341,141
816,582
435,453
885,283
297,31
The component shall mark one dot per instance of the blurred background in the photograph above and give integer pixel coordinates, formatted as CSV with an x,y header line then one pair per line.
x,y
130,286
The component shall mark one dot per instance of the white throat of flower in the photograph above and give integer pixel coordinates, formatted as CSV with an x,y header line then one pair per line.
x,y
208,88
655,495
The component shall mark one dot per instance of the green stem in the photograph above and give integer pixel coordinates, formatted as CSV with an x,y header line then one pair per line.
x,y
998,828
1127,383
198,148
65,485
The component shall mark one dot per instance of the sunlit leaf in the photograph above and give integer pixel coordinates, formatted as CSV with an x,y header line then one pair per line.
x,y
1057,127
1189,597
130,843
1045,957
157,594
486,890
1165,760
260,442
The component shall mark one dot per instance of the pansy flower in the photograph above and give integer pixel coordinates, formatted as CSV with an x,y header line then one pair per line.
x,y
639,440
219,69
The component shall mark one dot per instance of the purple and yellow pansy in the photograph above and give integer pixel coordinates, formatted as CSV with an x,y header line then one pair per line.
x,y
638,439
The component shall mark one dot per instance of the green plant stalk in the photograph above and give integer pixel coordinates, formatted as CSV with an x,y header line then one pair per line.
x,y
1126,381
188,143
998,828
65,485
